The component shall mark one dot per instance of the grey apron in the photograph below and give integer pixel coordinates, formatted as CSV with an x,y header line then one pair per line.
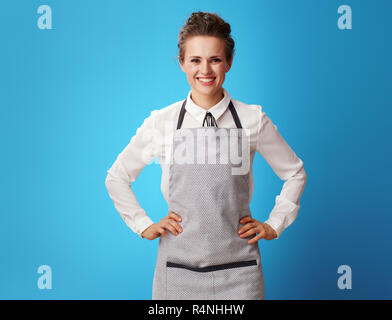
x,y
208,260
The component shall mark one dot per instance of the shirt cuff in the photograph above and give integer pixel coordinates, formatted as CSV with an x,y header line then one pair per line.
x,y
140,222
282,215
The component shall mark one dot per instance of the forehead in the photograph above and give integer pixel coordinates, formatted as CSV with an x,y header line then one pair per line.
x,y
204,46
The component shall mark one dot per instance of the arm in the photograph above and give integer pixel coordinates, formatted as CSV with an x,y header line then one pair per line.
x,y
288,167
124,171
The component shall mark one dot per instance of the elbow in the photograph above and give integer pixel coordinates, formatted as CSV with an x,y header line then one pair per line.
x,y
111,182
302,174
299,175
302,171
108,182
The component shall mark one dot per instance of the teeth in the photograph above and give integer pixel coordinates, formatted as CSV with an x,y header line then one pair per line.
x,y
206,80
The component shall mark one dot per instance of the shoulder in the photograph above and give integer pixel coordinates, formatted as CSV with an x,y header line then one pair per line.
x,y
249,114
165,114
243,107
169,110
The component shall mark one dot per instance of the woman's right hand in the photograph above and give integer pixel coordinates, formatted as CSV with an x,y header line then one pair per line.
x,y
170,222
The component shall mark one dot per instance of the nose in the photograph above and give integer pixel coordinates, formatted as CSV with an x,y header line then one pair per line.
x,y
205,68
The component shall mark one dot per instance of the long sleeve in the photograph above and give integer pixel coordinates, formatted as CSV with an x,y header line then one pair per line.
x,y
288,167
124,171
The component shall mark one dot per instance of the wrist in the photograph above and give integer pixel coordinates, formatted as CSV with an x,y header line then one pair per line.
x,y
271,231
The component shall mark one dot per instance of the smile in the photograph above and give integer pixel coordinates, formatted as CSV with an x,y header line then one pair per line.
x,y
206,81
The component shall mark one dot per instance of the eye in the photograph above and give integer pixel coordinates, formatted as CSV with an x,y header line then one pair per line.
x,y
195,60
216,60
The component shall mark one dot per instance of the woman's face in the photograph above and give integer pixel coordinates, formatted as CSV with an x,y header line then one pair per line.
x,y
205,64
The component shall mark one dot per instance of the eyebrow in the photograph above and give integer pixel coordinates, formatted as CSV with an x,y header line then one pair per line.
x,y
200,57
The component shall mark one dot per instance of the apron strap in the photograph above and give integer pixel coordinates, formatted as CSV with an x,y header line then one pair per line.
x,y
231,107
181,116
235,115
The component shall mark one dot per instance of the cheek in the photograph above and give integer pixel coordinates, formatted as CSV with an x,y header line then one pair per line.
x,y
191,73
189,70
220,70
190,77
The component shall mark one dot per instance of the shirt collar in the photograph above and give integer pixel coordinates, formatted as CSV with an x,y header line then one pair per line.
x,y
217,110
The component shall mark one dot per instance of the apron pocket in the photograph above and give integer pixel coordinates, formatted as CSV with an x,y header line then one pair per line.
x,y
185,284
235,280
246,283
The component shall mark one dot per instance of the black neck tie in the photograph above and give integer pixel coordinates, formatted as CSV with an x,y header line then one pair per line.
x,y
210,120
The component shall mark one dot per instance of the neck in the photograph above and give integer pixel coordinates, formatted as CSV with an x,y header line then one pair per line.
x,y
207,101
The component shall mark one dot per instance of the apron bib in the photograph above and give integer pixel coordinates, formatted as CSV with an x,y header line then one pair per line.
x,y
209,189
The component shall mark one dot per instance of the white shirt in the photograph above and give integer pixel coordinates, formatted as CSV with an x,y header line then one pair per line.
x,y
154,140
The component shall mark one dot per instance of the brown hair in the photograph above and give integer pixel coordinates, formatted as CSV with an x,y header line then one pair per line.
x,y
206,24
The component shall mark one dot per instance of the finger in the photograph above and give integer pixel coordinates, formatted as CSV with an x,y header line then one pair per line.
x,y
248,233
255,239
246,227
246,219
175,225
169,227
162,231
174,216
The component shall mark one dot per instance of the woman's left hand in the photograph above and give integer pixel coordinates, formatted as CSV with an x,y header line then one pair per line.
x,y
252,226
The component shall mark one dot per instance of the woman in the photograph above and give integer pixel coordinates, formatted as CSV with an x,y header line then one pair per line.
x,y
208,246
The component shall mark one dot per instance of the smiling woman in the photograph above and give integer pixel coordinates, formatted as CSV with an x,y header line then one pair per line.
x,y
206,51
205,65
208,242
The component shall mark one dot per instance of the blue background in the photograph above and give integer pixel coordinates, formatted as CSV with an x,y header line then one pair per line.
x,y
72,97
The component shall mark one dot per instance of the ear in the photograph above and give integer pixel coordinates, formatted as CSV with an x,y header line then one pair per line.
x,y
181,64
228,67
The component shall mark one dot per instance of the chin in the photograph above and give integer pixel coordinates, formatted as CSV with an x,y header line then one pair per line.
x,y
207,91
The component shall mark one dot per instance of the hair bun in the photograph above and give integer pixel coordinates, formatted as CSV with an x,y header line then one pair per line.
x,y
209,24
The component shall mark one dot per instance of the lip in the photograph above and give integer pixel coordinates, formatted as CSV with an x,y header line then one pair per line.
x,y
209,83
